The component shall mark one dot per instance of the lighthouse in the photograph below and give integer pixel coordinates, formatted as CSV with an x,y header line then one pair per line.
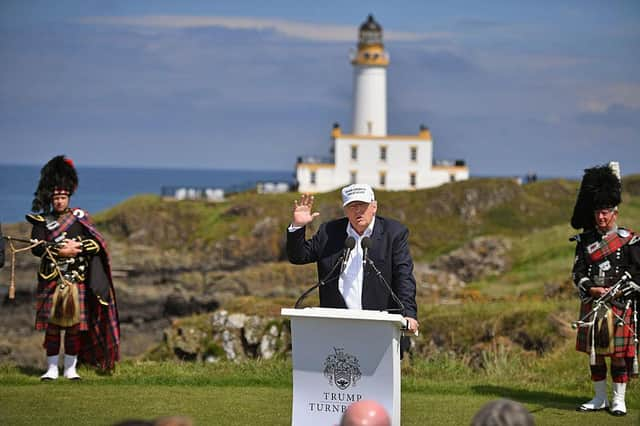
x,y
368,154
370,63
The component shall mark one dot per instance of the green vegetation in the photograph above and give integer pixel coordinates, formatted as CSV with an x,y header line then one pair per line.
x,y
440,219
439,391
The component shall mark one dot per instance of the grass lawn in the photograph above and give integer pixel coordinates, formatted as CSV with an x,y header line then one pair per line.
x,y
260,393
87,404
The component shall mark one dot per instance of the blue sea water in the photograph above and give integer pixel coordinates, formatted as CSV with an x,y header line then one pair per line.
x,y
103,187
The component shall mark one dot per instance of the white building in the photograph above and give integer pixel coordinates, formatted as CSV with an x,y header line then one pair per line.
x,y
369,155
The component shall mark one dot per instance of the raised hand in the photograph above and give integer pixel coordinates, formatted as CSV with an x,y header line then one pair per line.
x,y
302,214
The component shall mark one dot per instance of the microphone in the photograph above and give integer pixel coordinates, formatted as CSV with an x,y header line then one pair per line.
x,y
366,244
349,244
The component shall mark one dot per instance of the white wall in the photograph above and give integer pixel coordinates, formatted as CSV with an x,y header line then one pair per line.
x,y
324,178
397,166
368,165
369,100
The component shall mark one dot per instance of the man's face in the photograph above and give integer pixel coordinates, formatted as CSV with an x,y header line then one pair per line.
x,y
60,203
360,214
605,218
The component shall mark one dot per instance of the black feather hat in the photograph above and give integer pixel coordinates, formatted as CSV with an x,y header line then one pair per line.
x,y
58,176
600,188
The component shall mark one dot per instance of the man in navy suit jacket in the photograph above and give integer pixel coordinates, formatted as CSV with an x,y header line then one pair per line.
x,y
353,285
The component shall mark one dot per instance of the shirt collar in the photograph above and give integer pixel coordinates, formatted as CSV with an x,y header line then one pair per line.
x,y
367,232
613,229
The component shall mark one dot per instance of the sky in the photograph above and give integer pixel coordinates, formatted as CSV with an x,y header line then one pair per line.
x,y
550,87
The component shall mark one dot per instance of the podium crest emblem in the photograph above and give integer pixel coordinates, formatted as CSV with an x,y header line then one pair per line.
x,y
342,369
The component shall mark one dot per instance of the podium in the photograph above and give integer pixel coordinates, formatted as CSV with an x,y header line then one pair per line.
x,y
341,356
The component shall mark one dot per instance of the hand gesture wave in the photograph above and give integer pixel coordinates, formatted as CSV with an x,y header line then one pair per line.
x,y
302,211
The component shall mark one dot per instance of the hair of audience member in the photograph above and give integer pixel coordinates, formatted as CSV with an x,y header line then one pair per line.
x,y
503,412
365,412
173,421
160,421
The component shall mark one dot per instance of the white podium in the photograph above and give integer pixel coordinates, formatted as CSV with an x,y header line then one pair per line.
x,y
342,356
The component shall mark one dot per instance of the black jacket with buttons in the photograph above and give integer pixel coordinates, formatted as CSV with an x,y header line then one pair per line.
x,y
607,271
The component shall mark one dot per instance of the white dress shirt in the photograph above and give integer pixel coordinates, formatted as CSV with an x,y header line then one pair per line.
x,y
350,281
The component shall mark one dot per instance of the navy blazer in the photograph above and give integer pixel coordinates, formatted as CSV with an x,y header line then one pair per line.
x,y
389,252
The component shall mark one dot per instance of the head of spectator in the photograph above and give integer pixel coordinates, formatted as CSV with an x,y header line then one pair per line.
x,y
160,421
503,412
173,421
365,413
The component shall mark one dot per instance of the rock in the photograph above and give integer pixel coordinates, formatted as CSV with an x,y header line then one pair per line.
x,y
480,257
231,345
186,344
434,283
253,328
236,321
269,343
232,336
219,319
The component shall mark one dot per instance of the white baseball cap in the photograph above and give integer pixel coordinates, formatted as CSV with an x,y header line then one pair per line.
x,y
357,192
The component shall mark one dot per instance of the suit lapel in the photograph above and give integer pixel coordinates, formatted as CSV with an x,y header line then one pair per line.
x,y
332,282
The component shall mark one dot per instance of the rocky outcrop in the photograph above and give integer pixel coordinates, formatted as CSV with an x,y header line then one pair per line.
x,y
222,335
433,284
480,257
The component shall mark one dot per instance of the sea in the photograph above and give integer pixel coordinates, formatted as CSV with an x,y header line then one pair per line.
x,y
103,187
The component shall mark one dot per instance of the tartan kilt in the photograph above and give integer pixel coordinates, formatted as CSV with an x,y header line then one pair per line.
x,y
44,304
100,346
621,343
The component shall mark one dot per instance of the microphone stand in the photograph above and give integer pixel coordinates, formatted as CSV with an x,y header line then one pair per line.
x,y
381,278
320,283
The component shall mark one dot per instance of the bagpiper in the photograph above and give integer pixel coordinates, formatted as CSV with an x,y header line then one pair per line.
x,y
605,272
75,292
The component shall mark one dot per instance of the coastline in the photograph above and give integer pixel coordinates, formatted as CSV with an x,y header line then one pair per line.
x,y
101,188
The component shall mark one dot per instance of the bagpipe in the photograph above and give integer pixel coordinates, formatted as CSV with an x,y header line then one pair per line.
x,y
32,243
622,295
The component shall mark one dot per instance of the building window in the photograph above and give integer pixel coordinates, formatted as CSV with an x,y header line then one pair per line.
x,y
354,152
369,127
354,176
452,177
412,180
312,178
383,178
413,154
383,153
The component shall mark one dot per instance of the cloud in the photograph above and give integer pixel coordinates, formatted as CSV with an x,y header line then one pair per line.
x,y
616,115
601,97
293,29
444,62
479,24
